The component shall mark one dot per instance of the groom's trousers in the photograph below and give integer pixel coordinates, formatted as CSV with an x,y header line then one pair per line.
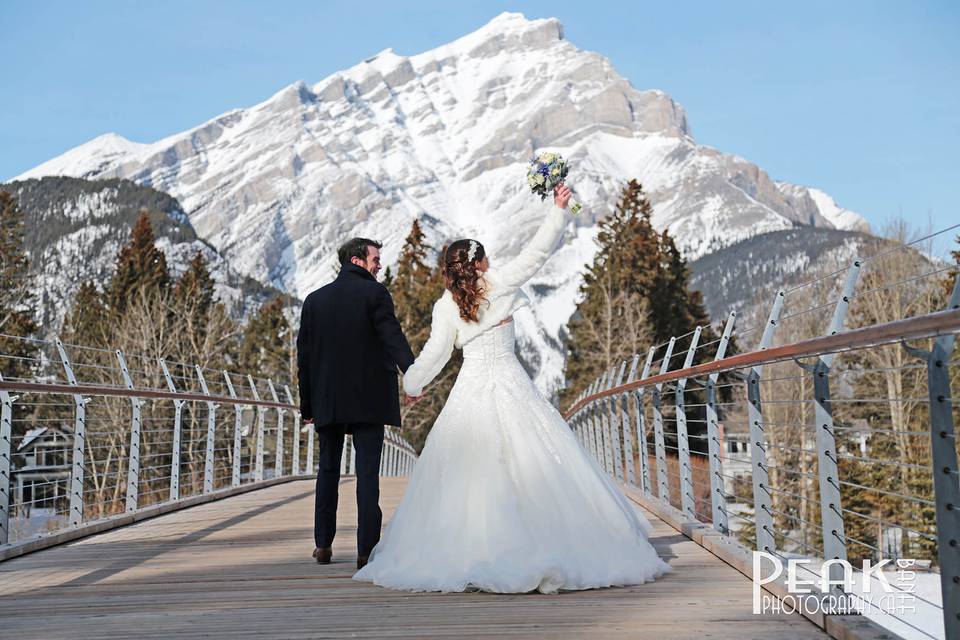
x,y
368,442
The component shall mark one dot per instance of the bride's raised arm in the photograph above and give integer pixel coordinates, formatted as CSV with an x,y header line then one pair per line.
x,y
435,353
533,256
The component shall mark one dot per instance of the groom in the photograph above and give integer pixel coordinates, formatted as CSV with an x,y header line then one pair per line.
x,y
349,349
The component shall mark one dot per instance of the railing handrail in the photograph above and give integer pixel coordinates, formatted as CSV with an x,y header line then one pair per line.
x,y
123,392
925,326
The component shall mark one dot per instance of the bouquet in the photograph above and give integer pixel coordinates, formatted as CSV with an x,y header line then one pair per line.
x,y
546,171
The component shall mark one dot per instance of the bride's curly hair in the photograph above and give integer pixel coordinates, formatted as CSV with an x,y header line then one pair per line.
x,y
462,277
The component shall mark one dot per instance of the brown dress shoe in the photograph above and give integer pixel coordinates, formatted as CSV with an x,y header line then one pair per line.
x,y
362,562
323,555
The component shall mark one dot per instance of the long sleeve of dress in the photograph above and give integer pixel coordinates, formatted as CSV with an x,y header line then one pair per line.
x,y
538,250
435,353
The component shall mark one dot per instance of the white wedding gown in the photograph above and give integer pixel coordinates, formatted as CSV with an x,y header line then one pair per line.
x,y
503,498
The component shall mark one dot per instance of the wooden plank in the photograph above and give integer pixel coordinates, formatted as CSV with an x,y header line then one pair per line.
x,y
241,567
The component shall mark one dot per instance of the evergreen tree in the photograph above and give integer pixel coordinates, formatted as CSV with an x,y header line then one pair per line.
x,y
636,293
193,293
141,268
87,322
415,288
265,348
17,301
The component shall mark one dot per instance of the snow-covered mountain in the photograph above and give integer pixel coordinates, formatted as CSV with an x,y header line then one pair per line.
x,y
76,227
444,136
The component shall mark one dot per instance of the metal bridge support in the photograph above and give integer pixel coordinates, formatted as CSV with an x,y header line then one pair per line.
x,y
278,458
136,425
237,433
663,480
718,498
589,419
688,500
211,435
295,467
6,436
624,408
645,484
258,455
943,453
612,402
828,473
175,439
762,504
79,441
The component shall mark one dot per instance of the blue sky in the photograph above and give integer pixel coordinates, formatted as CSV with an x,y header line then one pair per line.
x,y
861,99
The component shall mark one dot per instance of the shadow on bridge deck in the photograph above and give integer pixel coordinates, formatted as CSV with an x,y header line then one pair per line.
x,y
241,567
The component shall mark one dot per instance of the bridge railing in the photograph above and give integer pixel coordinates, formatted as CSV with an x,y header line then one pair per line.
x,y
89,433
816,442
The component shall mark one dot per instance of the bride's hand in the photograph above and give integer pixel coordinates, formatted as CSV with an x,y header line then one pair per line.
x,y
561,195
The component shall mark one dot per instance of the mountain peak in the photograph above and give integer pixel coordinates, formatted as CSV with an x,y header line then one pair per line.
x,y
506,32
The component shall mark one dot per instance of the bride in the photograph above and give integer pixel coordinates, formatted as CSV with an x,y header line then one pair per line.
x,y
503,497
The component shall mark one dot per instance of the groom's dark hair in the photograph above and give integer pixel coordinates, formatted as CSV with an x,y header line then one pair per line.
x,y
356,248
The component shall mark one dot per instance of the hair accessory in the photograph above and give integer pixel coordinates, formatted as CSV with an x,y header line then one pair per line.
x,y
472,253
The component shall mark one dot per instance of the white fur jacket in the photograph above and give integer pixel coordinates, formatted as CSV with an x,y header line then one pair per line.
x,y
503,297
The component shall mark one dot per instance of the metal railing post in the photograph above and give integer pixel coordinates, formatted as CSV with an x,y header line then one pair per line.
x,y
762,514
943,453
828,473
624,407
310,436
718,497
688,501
353,458
175,439
295,467
79,441
611,402
604,426
237,433
258,455
645,484
663,481
6,437
278,457
591,431
211,434
136,425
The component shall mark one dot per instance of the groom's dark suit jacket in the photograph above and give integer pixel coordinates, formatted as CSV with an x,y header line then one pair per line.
x,y
348,351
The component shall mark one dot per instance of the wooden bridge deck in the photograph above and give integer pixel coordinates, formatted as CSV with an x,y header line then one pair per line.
x,y
241,567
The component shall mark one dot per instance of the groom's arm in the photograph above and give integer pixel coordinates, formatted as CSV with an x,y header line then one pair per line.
x,y
303,366
388,329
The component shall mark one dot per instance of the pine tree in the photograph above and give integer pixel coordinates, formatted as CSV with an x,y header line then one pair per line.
x,y
17,301
612,319
415,288
87,322
141,268
265,345
193,293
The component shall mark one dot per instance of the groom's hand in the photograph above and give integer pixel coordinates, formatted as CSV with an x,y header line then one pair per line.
x,y
411,400
561,195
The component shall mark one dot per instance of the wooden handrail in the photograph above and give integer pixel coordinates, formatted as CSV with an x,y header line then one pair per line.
x,y
926,326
